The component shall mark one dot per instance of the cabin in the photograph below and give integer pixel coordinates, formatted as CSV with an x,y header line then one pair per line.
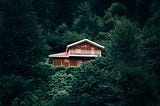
x,y
76,53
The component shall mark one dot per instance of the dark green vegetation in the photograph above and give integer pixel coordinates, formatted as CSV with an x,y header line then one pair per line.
x,y
127,74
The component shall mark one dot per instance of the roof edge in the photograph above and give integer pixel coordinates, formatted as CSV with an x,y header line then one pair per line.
x,y
87,40
63,54
83,56
58,56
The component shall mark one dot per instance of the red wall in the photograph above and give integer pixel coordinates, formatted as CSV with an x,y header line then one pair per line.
x,y
75,61
69,61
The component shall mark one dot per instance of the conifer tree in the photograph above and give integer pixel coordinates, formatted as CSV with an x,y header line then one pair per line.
x,y
22,48
87,22
22,42
124,40
151,44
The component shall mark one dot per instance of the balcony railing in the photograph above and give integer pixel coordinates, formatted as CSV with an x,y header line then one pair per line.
x,y
85,52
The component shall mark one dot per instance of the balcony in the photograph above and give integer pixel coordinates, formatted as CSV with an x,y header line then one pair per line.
x,y
78,52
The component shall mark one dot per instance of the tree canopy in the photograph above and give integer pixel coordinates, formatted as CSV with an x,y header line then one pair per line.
x,y
127,74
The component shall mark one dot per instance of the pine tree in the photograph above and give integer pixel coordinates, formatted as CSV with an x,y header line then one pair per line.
x,y
22,48
22,42
45,10
87,22
124,40
151,43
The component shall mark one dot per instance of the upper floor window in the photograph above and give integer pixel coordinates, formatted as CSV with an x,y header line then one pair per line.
x,y
78,51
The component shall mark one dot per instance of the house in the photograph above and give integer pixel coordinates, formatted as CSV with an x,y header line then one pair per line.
x,y
81,51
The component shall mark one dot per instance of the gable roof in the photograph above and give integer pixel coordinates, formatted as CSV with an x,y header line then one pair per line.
x,y
66,55
85,40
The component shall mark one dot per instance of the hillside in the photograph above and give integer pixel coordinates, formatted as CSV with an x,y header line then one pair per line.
x,y
127,74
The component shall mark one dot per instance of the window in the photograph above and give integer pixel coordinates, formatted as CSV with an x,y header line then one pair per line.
x,y
78,51
92,52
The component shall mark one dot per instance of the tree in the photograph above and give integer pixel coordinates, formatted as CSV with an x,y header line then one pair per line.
x,y
60,83
124,40
95,85
22,42
45,10
155,6
61,37
118,9
22,47
87,22
11,87
151,44
138,86
64,11
143,10
101,83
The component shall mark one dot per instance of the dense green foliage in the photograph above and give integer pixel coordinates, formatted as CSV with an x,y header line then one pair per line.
x,y
124,42
126,75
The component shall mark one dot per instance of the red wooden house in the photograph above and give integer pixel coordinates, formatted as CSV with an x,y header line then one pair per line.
x,y
81,51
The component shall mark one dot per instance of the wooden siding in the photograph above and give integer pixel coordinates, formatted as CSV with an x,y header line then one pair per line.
x,y
69,61
77,54
60,62
84,46
85,49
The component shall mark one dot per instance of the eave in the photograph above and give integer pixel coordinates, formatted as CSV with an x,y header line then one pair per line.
x,y
85,40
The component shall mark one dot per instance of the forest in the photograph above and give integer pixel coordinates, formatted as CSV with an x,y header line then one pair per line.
x,y
127,74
